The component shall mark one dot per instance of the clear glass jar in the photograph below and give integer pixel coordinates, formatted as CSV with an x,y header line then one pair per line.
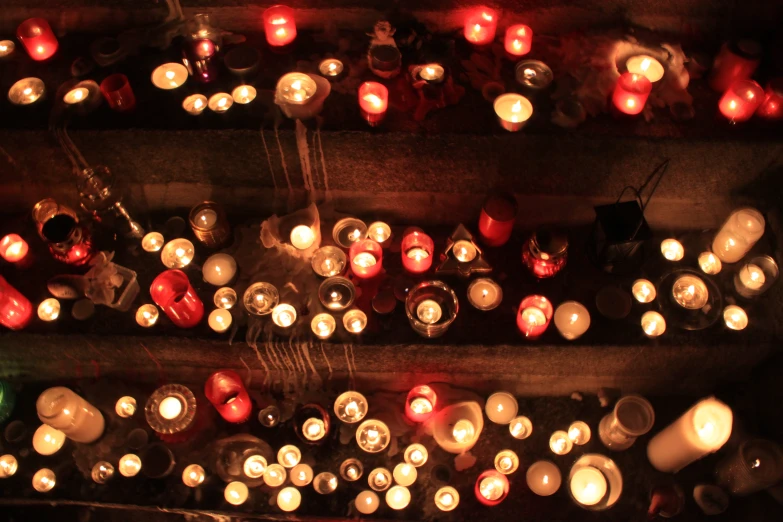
x,y
546,253
756,465
69,241
632,417
201,48
738,234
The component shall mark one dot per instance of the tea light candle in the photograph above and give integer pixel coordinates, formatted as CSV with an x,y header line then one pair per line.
x,y
709,263
741,100
169,76
367,502
588,486
690,292
417,249
75,96
520,427
735,317
432,73
44,480
220,320
254,466
579,433
366,258
501,407
404,474
348,231
170,408
225,298
331,67
672,249
49,309
513,111
519,40
220,102
275,475
13,248
325,483
752,277
480,26
354,321
373,101
351,470
420,403
491,488
289,499
631,93
301,475
380,479
296,88
195,104
313,429
559,443
572,320
543,478
289,456
416,455
506,462
152,242
464,251
429,311
6,48
177,253
193,476
284,315
328,261
373,436
47,440
350,407
463,431
26,91
279,25
534,314
244,94
147,315
125,407
484,294
446,498
236,493
398,497
219,269
643,291
302,237
653,324
102,472
130,465
379,232
646,66
269,417
260,298
323,325
8,466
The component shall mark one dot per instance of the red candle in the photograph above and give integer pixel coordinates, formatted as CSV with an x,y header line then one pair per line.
x,y
13,248
480,25
519,40
420,403
38,39
227,393
741,100
491,488
366,258
417,249
772,108
15,309
497,219
631,92
118,93
735,61
535,312
373,101
172,291
279,25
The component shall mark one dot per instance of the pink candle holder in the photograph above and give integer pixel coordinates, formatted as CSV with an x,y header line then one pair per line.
x,y
491,488
545,253
741,100
15,310
519,40
417,250
38,39
480,25
772,108
735,61
420,403
279,25
366,258
630,93
497,218
227,393
118,92
173,293
373,102
535,313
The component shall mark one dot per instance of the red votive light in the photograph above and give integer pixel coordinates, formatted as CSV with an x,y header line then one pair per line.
x,y
279,25
480,25
630,93
38,39
491,488
366,258
417,249
15,309
118,93
535,312
13,248
201,59
496,221
741,100
172,291
519,40
772,108
373,101
227,393
420,403
735,61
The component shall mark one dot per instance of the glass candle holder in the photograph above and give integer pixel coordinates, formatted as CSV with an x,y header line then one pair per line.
x,y
210,225
8,466
518,40
380,479
690,292
284,315
236,493
736,60
351,470
513,111
102,472
37,38
269,416
301,475
756,465
337,293
125,407
200,51
313,429
491,488
546,253
177,253
543,478
289,456
68,412
366,258
653,324
260,298
559,443
420,403
331,68
295,89
506,462
355,321
501,408
13,248
735,318
325,483
741,100
431,307
533,317
130,465
497,218
194,104
44,480
373,436
572,320
417,250
328,261
416,455
227,393
533,75
220,102
632,417
380,232
350,407
480,25
312,423
275,475
595,482
323,325
26,91
173,293
404,474
69,240
349,230
631,93
15,310
193,476
579,433
244,94
743,228
772,107
152,242
225,298
520,427
756,277
279,25
709,263
169,76
117,92
373,102
398,497
171,409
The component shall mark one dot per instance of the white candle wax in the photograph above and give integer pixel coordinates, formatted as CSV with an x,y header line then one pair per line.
x,y
446,498
77,95
709,263
284,315
543,478
588,486
752,277
323,325
219,269
147,315
416,455
130,465
463,431
195,104
289,499
169,76
579,433
354,321
235,493
379,232
520,427
244,94
464,251
177,253
643,291
303,237
296,88
152,242
429,311
672,249
330,67
513,108
206,218
220,320
193,475
506,462
170,408
289,456
484,294
125,407
380,479
26,91
313,429
47,440
301,475
559,443
254,466
66,411
275,475
404,474
432,72
367,502
738,235
653,324
49,309
365,260
572,320
398,497
8,466
735,317
220,102
44,480
501,407
646,66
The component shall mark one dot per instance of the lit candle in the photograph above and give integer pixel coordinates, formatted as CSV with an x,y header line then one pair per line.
x,y
269,417
260,298
464,251
709,263
463,431
420,403
279,25
543,478
519,40
125,407
244,94
380,479
630,93
193,476
520,427
8,466
534,75
417,249
741,100
47,440
350,407
6,48
302,237
284,315
49,309
643,291
37,38
195,104
289,499
484,294
169,76
102,472
672,249
220,102
177,253
331,67
219,320
147,315
752,277
373,101
646,66
225,298
325,483
13,248
701,430
75,96
367,502
559,443
432,73
68,412
44,480
534,314
398,497
366,258
429,311
738,234
572,320
328,261
354,321
254,466
588,486
296,88
735,317
404,474
480,26
772,107
416,455
301,475
206,218
690,292
351,470
152,242
289,456
513,111
501,407
579,433
236,493
313,429
170,408
219,269
323,325
491,488
446,498
653,324
379,232
130,465
373,436
275,475
506,462
26,91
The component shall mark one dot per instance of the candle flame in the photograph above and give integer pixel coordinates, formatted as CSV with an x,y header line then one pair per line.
x,y
222,102
243,92
707,430
170,75
545,480
630,103
574,318
332,66
27,91
691,290
645,64
277,21
750,95
430,70
40,49
732,105
517,45
477,28
521,31
280,33
517,107
198,104
3,48
486,16
373,99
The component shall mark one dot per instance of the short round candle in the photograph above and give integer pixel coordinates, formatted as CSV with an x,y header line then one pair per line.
x,y
416,455
464,251
44,480
350,407
646,66
579,433
446,498
496,222
170,408
588,486
543,478
147,315
102,472
643,291
354,321
125,407
8,466
244,94
260,298
323,325
735,317
328,261
219,320
49,309
653,324
398,497
302,237
331,67
513,111
491,488
351,470
301,475
37,38
13,248
631,93
26,91
741,100
672,249
405,474
559,443
417,250
501,407
366,258
289,456
506,462
47,440
254,466
432,73
75,96
373,101
314,429
219,269
709,263
348,231
533,317
572,320
220,102
152,242
367,502
236,493
289,499
169,76
195,104
485,294
193,476
429,311
690,292
463,431
177,253
325,483
275,475
6,48
225,298
480,25
420,403
279,25
130,465
373,436
519,40
296,88
752,277
380,479
379,232
269,417
772,107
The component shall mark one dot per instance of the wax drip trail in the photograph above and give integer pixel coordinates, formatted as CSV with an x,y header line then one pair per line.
x,y
315,160
304,155
269,160
323,164
351,378
328,364
249,379
252,342
317,381
285,168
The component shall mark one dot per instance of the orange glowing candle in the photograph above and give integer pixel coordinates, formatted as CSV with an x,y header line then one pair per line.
x,y
373,101
13,248
480,26
519,40
630,93
279,25
741,100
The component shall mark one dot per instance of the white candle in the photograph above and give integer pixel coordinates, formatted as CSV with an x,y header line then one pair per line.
x,y
66,411
235,493
330,67
492,488
543,478
225,298
572,320
303,237
690,292
464,251
130,465
579,433
284,315
77,95
195,104
653,324
643,291
365,260
206,218
169,76
313,429
559,443
373,436
44,480
735,317
325,483
752,277
429,311
701,430
672,249
177,253
354,321
588,486
416,455
709,263
432,72
367,502
220,320
446,498
301,475
350,407
26,91
147,315
506,462
421,405
513,110
296,88
501,407
152,242
47,440
738,235
254,466
170,408
533,316
289,456
289,499
6,47
380,479
351,470
8,466
379,232
398,497
220,102
219,269
404,474
244,94
49,309
193,476
102,472
275,475
323,325
484,294
646,66
463,431
520,427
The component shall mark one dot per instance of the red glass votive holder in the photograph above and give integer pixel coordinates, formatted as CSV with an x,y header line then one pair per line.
x,y
519,40
279,25
491,488
15,310
227,393
630,93
480,25
772,108
373,102
741,100
417,250
420,403
201,59
366,258
497,218
546,253
735,61
535,313
38,38
118,92
13,248
173,293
